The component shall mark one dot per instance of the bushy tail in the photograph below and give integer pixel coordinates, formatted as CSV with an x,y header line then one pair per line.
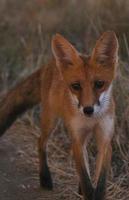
x,y
19,99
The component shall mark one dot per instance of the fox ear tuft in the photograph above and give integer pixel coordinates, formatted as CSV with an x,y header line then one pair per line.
x,y
106,49
63,51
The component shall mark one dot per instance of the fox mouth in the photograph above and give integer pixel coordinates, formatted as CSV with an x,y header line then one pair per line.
x,y
95,111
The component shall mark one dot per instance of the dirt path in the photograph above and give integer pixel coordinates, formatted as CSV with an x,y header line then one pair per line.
x,y
19,166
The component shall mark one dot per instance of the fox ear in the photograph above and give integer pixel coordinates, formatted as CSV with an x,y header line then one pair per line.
x,y
63,51
105,52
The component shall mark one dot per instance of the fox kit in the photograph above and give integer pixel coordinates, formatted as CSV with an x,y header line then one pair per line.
x,y
78,89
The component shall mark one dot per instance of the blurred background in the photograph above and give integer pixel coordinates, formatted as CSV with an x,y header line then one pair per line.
x,y
26,29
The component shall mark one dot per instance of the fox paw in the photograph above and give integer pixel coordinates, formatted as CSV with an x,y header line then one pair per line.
x,y
46,180
79,190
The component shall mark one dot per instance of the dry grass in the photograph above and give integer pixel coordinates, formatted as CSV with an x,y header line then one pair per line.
x,y
26,28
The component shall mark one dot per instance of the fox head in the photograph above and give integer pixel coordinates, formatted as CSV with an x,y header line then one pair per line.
x,y
89,79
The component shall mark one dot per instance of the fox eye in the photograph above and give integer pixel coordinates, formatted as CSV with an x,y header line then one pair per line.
x,y
98,84
76,86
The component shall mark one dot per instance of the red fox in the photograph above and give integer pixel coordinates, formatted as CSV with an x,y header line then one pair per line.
x,y
78,89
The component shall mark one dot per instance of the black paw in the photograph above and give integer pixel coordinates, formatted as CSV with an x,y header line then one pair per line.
x,y
46,179
91,195
79,190
101,187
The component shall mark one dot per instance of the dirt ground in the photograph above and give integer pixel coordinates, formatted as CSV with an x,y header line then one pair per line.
x,y
19,166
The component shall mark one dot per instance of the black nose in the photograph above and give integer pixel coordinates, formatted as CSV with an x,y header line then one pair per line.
x,y
88,110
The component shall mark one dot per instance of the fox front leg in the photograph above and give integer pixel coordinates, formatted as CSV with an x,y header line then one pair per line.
x,y
102,168
81,165
47,126
85,154
104,132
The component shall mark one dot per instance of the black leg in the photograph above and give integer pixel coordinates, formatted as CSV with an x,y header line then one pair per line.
x,y
87,187
85,182
101,186
79,190
45,175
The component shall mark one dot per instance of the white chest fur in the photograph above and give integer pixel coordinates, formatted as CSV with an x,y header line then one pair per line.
x,y
84,125
107,125
81,122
